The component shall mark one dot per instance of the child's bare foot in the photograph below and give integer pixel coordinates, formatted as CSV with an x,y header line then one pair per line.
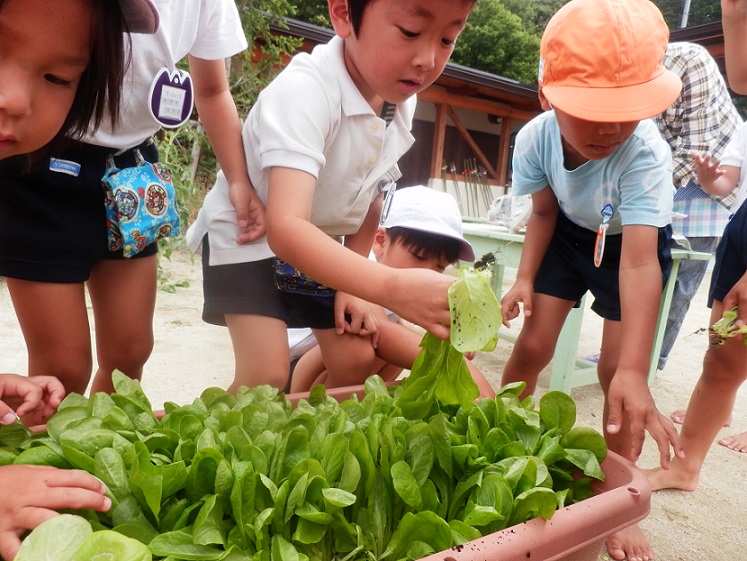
x,y
736,442
679,417
676,477
629,543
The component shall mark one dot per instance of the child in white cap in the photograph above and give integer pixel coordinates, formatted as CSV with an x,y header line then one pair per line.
x,y
600,177
421,228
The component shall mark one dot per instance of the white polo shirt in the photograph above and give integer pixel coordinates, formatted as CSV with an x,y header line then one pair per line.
x,y
312,118
206,29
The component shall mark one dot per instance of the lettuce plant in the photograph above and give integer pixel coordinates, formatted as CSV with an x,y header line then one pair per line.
x,y
250,477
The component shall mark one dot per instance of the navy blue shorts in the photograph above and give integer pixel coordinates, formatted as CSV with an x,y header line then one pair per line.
x,y
249,288
731,257
568,271
53,225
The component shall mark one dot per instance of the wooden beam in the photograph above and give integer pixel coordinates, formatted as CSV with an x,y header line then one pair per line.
x,y
504,149
438,94
471,142
439,140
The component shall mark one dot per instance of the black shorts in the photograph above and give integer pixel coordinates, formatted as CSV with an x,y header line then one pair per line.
x,y
249,288
53,225
568,271
731,257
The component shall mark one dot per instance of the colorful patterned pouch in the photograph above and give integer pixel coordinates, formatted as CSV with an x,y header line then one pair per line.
x,y
140,205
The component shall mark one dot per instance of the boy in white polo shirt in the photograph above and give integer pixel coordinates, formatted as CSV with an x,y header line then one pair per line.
x,y
323,141
421,229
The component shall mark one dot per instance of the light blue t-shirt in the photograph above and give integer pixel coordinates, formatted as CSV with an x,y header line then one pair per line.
x,y
636,180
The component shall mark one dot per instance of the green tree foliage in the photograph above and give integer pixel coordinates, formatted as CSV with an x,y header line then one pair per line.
x,y
700,12
496,40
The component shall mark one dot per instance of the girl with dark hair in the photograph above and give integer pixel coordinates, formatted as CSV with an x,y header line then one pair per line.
x,y
62,64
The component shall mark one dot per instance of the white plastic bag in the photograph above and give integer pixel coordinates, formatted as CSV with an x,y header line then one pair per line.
x,y
511,212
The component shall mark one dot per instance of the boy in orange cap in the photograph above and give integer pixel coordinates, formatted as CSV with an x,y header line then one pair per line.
x,y
600,176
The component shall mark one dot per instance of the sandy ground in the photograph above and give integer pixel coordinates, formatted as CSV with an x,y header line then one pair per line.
x,y
708,523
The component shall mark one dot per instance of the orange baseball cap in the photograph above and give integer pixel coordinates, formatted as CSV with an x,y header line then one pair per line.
x,y
601,60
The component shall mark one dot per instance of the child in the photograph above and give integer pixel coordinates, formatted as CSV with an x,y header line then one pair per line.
x,y
724,365
600,176
322,145
53,232
60,73
721,177
422,229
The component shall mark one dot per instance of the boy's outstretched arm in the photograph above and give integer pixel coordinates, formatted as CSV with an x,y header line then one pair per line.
x,y
734,23
418,295
540,228
222,125
630,404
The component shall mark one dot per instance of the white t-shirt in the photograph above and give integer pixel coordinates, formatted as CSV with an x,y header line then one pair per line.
x,y
735,155
312,118
636,179
206,29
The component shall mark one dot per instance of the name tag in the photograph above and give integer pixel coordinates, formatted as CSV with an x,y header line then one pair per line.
x,y
64,166
171,98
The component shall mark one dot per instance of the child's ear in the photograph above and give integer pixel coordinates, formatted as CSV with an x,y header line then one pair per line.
x,y
544,102
340,17
380,239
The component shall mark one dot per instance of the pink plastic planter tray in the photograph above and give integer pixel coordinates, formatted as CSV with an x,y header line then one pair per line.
x,y
575,533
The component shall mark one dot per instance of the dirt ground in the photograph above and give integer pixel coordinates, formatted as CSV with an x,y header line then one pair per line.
x,y
708,523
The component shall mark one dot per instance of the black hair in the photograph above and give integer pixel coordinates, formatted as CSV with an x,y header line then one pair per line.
x,y
357,7
428,244
100,90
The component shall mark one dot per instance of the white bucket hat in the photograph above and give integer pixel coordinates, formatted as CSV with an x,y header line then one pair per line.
x,y
425,209
141,16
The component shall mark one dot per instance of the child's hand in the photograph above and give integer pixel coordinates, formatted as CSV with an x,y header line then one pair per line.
x,y
250,212
362,322
737,297
45,490
422,297
35,398
519,292
706,168
630,403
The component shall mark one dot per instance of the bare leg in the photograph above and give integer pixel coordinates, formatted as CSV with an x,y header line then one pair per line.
x,y
309,371
348,358
629,543
123,295
260,348
678,417
710,406
54,322
536,342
